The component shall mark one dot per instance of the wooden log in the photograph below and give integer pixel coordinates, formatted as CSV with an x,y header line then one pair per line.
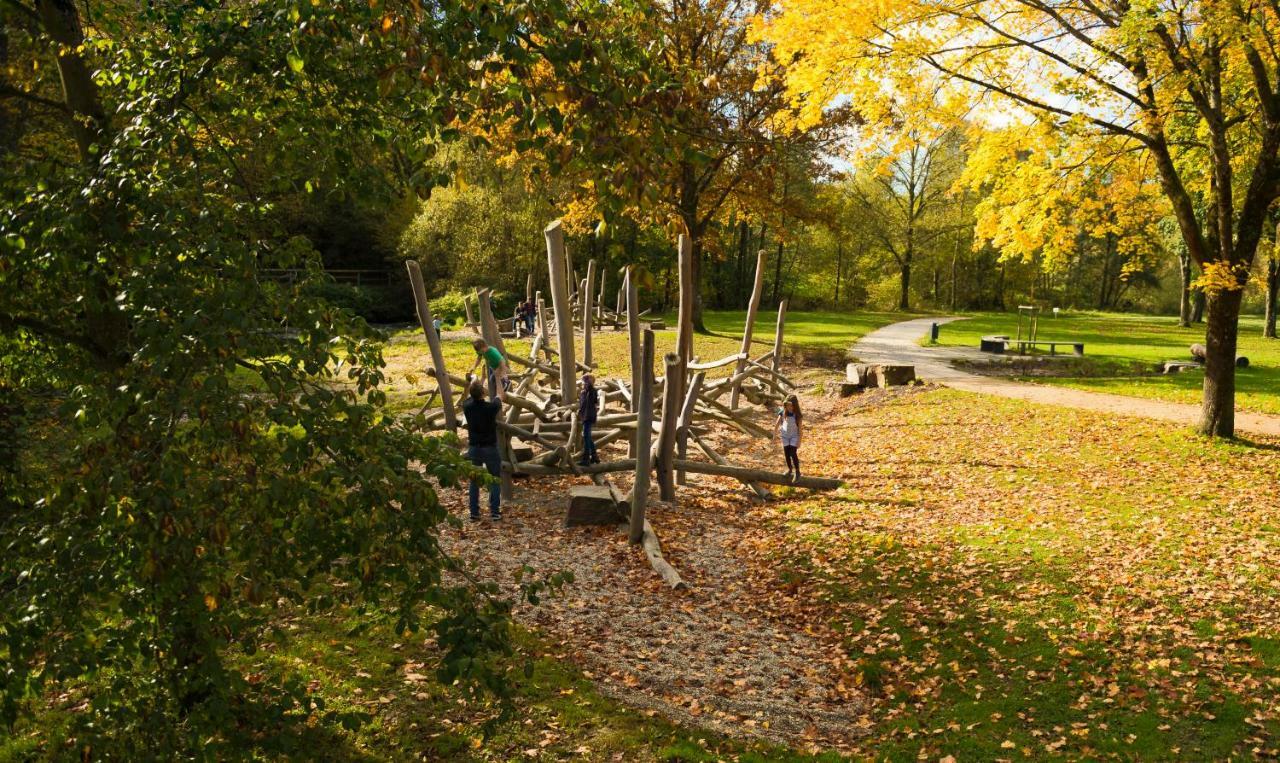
x,y
686,419
527,436
749,327
684,324
466,305
543,470
563,311
528,287
600,295
666,447
588,302
743,473
721,363
644,433
776,360
433,342
653,550
722,461
633,337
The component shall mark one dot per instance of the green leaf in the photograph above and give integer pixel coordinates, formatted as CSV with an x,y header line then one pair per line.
x,y
295,61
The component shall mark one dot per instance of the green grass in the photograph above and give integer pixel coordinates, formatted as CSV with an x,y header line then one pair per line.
x,y
1029,583
408,715
1122,352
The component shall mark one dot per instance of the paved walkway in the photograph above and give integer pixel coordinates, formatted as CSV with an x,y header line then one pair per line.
x,y
900,343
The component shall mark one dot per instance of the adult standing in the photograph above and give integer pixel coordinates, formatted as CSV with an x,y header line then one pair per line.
x,y
482,447
588,406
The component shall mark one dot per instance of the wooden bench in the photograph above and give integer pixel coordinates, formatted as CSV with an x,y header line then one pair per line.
x,y
1001,344
1024,344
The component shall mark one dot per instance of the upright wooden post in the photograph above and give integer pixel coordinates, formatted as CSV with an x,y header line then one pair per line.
x,y
433,342
671,387
684,322
528,288
748,329
564,312
542,318
488,324
643,397
686,420
587,311
600,295
633,330
777,336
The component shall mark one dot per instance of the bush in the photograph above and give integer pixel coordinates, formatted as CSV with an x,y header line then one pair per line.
x,y
449,307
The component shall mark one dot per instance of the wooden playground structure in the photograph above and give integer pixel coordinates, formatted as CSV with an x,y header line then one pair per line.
x,y
658,418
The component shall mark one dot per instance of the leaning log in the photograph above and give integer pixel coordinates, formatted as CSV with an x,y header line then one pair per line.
x,y
433,342
749,326
653,550
722,461
542,470
743,473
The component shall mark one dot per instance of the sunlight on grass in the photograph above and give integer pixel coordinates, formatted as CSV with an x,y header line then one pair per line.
x,y
1123,352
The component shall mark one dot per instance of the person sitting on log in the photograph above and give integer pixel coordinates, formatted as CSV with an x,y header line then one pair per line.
x,y
788,428
482,447
588,405
499,375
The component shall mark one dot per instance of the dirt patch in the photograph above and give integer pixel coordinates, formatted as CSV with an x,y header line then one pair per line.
x,y
1054,366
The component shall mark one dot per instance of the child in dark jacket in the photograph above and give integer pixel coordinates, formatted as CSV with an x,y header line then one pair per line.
x,y
588,405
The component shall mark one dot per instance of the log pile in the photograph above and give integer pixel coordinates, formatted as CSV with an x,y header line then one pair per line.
x,y
655,417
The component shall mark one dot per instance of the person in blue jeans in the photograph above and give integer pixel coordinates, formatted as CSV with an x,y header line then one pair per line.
x,y
482,447
588,405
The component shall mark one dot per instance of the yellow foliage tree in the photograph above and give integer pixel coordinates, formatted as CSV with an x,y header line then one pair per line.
x,y
1194,86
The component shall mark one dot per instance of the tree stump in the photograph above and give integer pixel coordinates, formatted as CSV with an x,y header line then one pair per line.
x,y
895,376
592,505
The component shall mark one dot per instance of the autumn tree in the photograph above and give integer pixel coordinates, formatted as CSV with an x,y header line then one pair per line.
x,y
1195,85
182,462
902,185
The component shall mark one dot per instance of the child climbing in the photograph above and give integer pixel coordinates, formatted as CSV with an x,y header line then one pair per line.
x,y
588,405
788,428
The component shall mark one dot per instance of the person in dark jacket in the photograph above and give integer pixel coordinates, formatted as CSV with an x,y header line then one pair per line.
x,y
588,405
482,447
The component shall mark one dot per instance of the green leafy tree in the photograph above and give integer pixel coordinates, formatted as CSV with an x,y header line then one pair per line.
x,y
189,447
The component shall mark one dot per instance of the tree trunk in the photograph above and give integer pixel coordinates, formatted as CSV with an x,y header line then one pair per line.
x,y
835,303
1184,296
904,299
1197,306
1221,332
1273,286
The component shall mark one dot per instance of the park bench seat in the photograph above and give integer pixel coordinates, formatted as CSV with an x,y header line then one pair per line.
x,y
1001,344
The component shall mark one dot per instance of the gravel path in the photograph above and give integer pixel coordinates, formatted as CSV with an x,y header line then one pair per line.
x,y
899,343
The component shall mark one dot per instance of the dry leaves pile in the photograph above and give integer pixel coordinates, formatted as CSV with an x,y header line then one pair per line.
x,y
995,580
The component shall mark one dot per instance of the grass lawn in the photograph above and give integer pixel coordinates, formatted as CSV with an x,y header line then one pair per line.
x,y
819,337
1123,350
1022,582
